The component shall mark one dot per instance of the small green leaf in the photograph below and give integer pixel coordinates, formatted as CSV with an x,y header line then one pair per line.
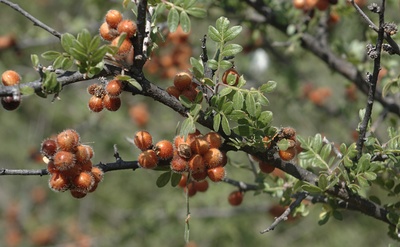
x,y
217,122
283,144
323,218
337,215
265,117
163,179
197,12
34,60
250,104
175,179
198,67
66,63
311,188
237,114
173,20
238,100
263,100
51,55
98,55
222,24
214,34
185,22
225,64
78,55
123,77
67,41
187,126
225,125
231,49
225,91
213,64
94,44
232,33
58,62
135,83
25,90
268,87
370,176
243,130
322,181
84,38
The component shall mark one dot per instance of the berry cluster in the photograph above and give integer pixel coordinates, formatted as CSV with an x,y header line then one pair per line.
x,y
112,29
183,85
105,96
289,134
69,164
173,57
10,78
192,187
200,156
151,154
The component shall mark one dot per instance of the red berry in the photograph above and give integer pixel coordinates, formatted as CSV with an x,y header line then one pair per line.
x,y
214,139
148,159
182,182
266,167
143,140
113,18
216,174
114,88
111,103
173,91
201,186
83,153
128,27
96,104
58,182
199,176
179,164
78,194
196,164
125,47
83,182
10,78
190,190
287,154
67,140
64,160
98,174
199,146
9,103
182,81
213,158
164,149
235,198
48,148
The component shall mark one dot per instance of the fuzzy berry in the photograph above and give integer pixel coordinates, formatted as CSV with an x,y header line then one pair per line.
x,y
10,78
214,139
111,103
114,88
148,159
58,182
67,140
127,26
182,81
235,198
143,140
113,18
48,148
64,160
179,164
213,158
164,149
96,104
216,174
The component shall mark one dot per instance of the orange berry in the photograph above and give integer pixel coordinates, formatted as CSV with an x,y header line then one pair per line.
x,y
235,198
322,5
201,186
96,104
179,164
164,149
233,72
139,114
106,33
48,148
83,182
64,160
311,4
58,182
190,93
182,182
148,159
224,159
199,176
182,81
10,78
85,166
78,194
213,158
97,174
196,164
173,91
67,140
216,174
299,4
113,18
111,103
199,146
125,47
178,140
190,190
214,139
143,140
266,167
83,153
51,168
128,27
114,88
287,154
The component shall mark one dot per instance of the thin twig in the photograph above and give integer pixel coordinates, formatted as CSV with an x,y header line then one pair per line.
x,y
372,81
299,198
35,21
241,185
140,57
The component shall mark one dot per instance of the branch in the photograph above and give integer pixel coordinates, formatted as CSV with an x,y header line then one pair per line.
x,y
35,21
241,185
140,57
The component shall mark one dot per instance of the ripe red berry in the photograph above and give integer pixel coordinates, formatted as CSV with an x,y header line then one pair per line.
x,y
51,168
113,18
179,164
182,182
199,146
85,166
164,149
48,148
78,194
201,186
143,140
67,140
199,176
190,93
127,26
287,154
10,78
111,103
148,159
114,88
96,104
233,73
9,103
58,182
83,153
83,182
107,33
235,198
125,47
213,158
265,167
98,174
182,81
173,91
216,174
196,164
64,160
214,139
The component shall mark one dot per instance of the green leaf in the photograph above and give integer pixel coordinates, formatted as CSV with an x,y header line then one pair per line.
x,y
250,104
197,12
123,77
337,215
58,62
222,24
175,179
98,55
173,20
67,41
311,188
213,64
323,218
78,55
283,144
225,91
185,22
51,55
163,179
225,64
84,38
322,181
94,44
263,100
268,87
25,90
265,117
225,125
66,63
238,100
187,126
34,60
185,101
198,67
243,130
135,83
217,122
232,33
237,114
370,175
231,49
325,151
50,84
214,34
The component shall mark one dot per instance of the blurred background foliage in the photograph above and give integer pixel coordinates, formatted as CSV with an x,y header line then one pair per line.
x,y
128,209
